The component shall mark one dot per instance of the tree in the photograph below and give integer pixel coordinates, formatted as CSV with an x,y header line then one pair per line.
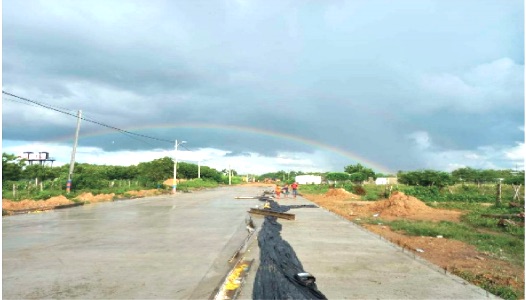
x,y
359,173
358,177
186,170
337,176
121,172
465,175
425,178
12,167
516,178
209,173
156,170
225,172
40,172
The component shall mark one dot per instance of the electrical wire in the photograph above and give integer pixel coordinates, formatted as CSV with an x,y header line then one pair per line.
x,y
126,132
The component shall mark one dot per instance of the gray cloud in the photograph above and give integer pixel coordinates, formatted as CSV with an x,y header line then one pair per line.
x,y
361,77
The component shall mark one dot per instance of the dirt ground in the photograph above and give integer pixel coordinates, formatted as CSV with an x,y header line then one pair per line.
x,y
62,200
451,255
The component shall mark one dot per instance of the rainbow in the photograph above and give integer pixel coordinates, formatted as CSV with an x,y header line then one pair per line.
x,y
245,129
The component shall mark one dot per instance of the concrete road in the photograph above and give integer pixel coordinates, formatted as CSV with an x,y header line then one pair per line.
x,y
151,248
178,247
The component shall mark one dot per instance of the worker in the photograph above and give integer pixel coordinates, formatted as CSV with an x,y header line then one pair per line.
x,y
277,191
294,187
285,190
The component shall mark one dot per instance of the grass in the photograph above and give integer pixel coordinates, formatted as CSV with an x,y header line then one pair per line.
x,y
315,189
494,241
500,245
196,184
505,292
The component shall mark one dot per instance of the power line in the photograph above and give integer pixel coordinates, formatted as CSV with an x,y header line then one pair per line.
x,y
86,119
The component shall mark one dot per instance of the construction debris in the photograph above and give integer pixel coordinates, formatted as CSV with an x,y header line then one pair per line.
x,y
233,282
272,213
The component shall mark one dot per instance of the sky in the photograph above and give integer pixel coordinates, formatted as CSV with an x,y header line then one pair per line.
x,y
263,86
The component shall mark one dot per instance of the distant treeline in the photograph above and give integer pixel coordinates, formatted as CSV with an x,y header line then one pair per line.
x,y
359,174
153,173
89,176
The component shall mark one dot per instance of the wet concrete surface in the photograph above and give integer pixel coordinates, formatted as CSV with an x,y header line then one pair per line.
x,y
178,247
162,247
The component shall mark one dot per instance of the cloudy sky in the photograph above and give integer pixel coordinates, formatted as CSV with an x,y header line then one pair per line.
x,y
267,85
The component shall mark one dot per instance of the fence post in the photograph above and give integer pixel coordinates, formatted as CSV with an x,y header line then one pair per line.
x,y
499,193
14,190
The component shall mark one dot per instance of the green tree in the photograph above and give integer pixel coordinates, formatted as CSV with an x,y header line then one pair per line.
x,y
121,172
210,174
465,175
425,178
516,178
12,167
41,172
358,177
225,172
359,173
186,170
337,176
156,171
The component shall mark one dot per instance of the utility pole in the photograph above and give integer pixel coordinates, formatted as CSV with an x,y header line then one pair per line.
x,y
198,169
72,162
229,175
174,184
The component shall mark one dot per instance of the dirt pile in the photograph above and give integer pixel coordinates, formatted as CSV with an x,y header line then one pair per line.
x,y
89,197
62,200
30,204
397,206
145,193
340,193
400,205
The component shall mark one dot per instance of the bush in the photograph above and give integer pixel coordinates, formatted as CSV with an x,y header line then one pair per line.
x,y
424,193
371,196
348,187
359,190
44,195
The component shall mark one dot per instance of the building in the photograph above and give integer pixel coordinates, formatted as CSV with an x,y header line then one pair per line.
x,y
386,180
308,179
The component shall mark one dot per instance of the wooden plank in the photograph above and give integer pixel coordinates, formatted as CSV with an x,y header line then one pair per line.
x,y
266,212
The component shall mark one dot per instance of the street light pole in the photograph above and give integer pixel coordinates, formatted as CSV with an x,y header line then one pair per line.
x,y
174,183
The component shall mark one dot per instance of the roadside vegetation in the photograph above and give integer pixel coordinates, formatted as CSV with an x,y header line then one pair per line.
x,y
37,182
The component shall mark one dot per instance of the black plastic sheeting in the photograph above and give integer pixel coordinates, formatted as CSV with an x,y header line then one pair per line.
x,y
277,275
